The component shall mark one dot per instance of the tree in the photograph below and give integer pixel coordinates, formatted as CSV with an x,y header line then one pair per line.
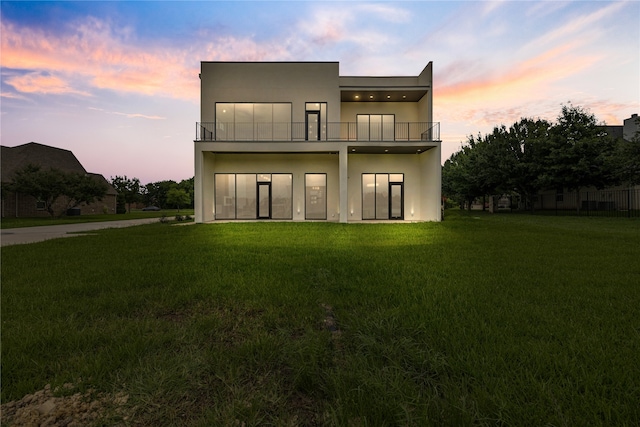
x,y
459,176
188,186
155,193
128,189
177,197
527,148
580,153
81,188
48,185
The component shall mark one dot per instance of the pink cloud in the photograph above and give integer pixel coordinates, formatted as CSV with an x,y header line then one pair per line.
x,y
38,83
525,79
97,55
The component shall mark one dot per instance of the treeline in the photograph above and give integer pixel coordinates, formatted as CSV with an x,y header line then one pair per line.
x,y
163,194
534,155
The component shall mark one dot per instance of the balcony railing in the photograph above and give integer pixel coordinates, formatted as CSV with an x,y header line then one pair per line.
x,y
299,131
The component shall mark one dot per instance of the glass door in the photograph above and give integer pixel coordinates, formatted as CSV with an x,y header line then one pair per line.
x,y
264,200
313,126
396,200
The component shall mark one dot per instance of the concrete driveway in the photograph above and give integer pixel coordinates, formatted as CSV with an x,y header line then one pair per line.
x,y
17,236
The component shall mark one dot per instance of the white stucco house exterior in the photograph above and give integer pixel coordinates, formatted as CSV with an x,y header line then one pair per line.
x,y
297,141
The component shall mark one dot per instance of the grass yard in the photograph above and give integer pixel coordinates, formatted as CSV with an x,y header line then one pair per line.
x,y
478,320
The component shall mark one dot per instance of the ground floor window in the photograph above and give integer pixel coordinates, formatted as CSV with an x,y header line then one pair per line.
x,y
315,195
382,196
253,196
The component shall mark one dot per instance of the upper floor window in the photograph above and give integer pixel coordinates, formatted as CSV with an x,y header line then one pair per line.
x,y
376,127
253,121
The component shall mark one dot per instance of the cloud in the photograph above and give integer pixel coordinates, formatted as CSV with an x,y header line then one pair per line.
x,y
385,12
357,24
12,95
576,25
526,79
129,115
94,54
41,83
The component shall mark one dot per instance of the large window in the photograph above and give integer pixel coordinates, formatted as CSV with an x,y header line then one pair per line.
x,y
376,127
281,200
382,196
253,196
246,195
225,187
253,121
315,196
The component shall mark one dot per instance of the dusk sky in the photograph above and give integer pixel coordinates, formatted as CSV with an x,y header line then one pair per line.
x,y
117,82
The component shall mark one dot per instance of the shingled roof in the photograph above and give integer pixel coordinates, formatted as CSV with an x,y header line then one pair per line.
x,y
16,158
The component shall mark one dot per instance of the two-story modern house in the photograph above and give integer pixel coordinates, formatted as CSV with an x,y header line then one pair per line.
x,y
297,141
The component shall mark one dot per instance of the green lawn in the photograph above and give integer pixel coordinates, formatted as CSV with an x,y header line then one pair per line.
x,y
478,320
135,214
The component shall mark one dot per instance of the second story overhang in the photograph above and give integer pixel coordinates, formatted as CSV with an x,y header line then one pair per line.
x,y
351,148
386,89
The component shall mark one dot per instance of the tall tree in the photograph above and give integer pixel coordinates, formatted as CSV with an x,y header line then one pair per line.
x,y
580,152
459,176
527,148
128,189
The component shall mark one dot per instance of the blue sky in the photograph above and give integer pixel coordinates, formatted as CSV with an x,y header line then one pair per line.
x,y
117,82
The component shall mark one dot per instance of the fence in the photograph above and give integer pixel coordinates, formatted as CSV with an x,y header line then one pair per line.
x,y
618,203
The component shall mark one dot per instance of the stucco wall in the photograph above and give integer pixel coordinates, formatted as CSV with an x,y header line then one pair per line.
x,y
421,197
297,83
404,111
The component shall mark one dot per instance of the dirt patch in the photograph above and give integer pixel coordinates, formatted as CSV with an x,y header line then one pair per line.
x,y
329,320
42,408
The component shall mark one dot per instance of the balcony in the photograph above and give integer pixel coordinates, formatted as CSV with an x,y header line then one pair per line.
x,y
301,131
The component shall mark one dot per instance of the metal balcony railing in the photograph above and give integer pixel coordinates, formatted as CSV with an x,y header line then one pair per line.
x,y
336,131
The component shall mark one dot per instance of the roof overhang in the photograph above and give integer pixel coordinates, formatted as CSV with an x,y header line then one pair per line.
x,y
377,94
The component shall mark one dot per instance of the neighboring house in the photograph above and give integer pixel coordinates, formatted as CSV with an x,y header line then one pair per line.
x,y
619,198
21,205
631,127
297,141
